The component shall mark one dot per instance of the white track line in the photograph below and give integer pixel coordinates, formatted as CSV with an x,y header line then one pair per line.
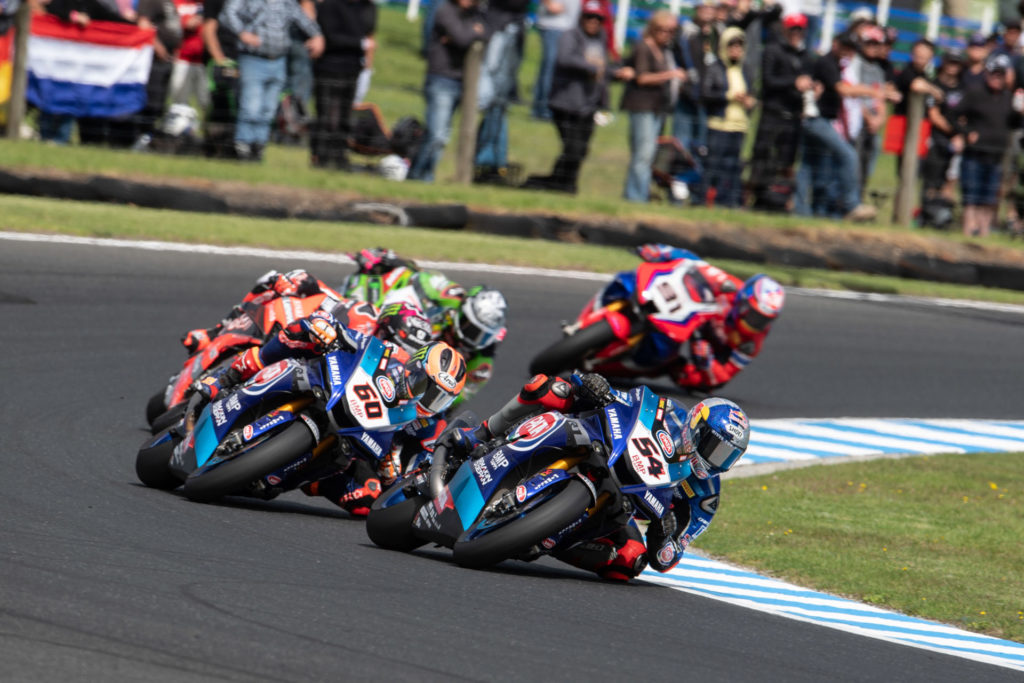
x,y
285,254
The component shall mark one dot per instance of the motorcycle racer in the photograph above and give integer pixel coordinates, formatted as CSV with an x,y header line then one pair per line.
x,y
721,348
269,286
713,435
472,321
432,375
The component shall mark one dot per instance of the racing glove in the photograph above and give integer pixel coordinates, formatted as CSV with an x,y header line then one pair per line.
x,y
592,390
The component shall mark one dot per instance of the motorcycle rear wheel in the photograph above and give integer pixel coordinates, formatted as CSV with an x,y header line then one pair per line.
x,y
262,459
569,352
391,527
516,537
152,466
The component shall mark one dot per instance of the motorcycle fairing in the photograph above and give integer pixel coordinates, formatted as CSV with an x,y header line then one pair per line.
x,y
647,446
366,387
681,298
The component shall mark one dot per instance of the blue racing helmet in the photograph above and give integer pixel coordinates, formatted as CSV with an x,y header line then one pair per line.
x,y
757,304
715,436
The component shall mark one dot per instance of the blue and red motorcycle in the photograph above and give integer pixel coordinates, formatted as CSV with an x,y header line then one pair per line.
x,y
553,481
635,323
293,423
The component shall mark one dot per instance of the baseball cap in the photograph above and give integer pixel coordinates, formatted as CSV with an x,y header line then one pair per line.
x,y
997,63
977,39
862,14
593,7
794,21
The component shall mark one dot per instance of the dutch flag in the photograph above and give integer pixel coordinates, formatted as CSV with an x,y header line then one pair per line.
x,y
100,70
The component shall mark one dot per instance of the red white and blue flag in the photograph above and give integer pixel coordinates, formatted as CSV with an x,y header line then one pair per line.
x,y
100,70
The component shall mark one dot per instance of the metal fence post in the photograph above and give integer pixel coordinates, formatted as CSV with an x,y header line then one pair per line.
x,y
906,197
19,75
467,127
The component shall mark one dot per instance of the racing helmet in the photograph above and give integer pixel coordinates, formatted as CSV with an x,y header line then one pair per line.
x,y
757,304
296,283
404,325
434,376
715,436
479,321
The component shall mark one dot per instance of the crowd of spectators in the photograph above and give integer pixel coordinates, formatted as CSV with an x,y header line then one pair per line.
x,y
731,77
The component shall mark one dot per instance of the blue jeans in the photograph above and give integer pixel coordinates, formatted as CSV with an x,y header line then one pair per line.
x,y
260,83
443,96
545,72
644,128
497,79
690,124
300,74
828,181
724,171
55,127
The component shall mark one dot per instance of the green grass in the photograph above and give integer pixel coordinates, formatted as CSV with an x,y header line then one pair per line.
x,y
31,214
937,537
396,90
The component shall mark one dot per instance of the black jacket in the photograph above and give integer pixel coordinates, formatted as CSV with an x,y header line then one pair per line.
x,y
345,23
782,64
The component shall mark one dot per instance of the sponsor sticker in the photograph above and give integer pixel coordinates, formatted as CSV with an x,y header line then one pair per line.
x,y
498,460
273,480
548,543
482,473
233,403
666,442
655,504
247,432
613,422
312,427
447,381
666,554
386,387
520,493
371,444
334,370
534,429
218,414
270,373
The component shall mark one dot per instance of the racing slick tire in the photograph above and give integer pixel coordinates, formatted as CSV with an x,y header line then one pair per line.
x,y
152,466
167,418
568,353
391,527
155,407
518,536
233,475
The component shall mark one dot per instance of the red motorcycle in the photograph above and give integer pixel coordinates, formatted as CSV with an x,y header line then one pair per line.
x,y
634,326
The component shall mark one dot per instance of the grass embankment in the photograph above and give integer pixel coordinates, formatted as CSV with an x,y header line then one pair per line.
x,y
937,537
397,90
30,214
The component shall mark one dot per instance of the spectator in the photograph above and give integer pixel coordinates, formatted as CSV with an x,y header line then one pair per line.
x,y
506,19
913,79
578,91
262,28
220,53
457,25
935,171
348,27
649,97
163,16
828,183
56,128
872,75
987,115
299,70
812,10
784,81
725,92
695,49
188,76
1009,43
977,53
554,17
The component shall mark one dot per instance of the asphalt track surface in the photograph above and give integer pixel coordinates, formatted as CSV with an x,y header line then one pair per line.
x,y
102,579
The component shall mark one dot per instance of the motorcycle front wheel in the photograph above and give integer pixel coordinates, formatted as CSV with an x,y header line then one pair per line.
x,y
518,536
265,457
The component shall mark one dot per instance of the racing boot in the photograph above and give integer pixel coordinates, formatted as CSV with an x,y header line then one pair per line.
x,y
353,490
606,558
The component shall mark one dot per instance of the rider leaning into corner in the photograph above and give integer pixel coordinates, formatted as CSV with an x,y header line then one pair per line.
x,y
430,373
472,321
269,286
723,347
713,435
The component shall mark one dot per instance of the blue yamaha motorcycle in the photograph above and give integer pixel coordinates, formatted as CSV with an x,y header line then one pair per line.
x,y
294,422
553,481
